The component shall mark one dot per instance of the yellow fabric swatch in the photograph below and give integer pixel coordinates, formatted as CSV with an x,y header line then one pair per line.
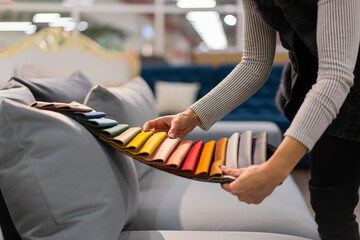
x,y
150,145
205,158
137,142
219,157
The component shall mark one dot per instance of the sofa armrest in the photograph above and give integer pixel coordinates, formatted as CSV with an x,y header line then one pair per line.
x,y
227,128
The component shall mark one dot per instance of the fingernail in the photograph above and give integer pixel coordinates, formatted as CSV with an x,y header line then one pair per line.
x,y
171,135
223,167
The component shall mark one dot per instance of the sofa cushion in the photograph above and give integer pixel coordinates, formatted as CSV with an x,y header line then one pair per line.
x,y
175,97
73,88
58,181
132,103
208,235
169,202
18,93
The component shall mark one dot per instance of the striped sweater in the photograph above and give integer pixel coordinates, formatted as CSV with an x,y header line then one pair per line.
x,y
338,39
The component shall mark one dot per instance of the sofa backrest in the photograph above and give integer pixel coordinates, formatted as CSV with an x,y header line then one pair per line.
x,y
205,75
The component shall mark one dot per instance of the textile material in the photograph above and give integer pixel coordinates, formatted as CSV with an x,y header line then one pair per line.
x,y
206,158
193,160
73,88
245,149
232,151
164,150
192,157
219,157
66,181
179,154
20,94
131,103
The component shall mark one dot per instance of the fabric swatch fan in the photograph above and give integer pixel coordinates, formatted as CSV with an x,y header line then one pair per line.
x,y
195,160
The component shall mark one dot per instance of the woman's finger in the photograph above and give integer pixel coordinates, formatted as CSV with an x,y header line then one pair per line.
x,y
231,171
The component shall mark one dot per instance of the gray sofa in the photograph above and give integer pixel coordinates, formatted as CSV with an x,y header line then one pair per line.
x,y
59,182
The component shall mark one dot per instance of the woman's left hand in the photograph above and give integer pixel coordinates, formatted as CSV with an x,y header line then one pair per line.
x,y
253,184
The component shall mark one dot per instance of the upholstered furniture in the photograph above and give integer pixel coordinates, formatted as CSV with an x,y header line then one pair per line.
x,y
61,183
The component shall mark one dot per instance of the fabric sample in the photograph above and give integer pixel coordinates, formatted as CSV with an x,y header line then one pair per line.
x,y
99,122
114,131
150,145
219,157
138,141
60,106
125,137
88,115
178,155
193,156
232,151
206,158
260,148
164,150
245,149
73,88
54,173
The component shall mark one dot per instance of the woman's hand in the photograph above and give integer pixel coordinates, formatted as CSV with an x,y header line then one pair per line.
x,y
178,125
253,184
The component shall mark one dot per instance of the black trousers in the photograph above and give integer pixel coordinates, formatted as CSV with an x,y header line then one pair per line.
x,y
335,161
334,186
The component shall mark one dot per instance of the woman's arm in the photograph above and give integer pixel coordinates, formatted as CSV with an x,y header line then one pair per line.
x,y
338,37
338,43
247,77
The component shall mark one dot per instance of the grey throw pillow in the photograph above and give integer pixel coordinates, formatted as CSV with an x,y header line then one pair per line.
x,y
17,92
59,181
132,103
73,88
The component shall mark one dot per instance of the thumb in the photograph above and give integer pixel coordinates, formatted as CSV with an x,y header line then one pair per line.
x,y
231,171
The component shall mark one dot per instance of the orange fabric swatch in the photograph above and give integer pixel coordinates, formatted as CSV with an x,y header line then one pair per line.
x,y
219,157
179,154
205,158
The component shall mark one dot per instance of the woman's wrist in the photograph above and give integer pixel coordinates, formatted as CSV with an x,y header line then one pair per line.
x,y
285,158
195,120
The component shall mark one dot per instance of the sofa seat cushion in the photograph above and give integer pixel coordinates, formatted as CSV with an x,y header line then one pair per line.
x,y
58,181
208,235
168,202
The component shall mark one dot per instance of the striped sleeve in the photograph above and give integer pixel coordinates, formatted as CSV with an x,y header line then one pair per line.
x,y
247,77
338,39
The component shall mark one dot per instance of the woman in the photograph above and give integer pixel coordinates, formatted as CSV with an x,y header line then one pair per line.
x,y
320,94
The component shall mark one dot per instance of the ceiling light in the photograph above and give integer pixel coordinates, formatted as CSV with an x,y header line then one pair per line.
x,y
31,29
82,26
196,4
46,17
14,26
67,23
209,27
230,20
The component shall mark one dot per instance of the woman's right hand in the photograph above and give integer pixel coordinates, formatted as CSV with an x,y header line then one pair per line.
x,y
177,126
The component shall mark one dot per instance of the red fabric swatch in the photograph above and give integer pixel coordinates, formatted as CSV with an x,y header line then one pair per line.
x,y
192,157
